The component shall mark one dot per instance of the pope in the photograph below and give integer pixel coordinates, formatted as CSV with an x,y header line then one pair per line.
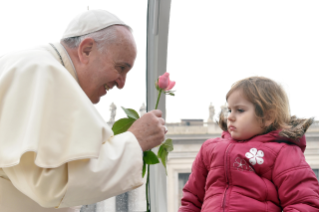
x,y
56,151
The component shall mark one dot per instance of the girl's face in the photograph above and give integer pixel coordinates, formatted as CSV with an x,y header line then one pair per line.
x,y
242,122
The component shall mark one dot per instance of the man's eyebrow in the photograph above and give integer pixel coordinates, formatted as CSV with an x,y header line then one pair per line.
x,y
128,65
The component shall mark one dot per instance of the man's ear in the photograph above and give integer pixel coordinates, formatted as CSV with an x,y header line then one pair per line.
x,y
85,50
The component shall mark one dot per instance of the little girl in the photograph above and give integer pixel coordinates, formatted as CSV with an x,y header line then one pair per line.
x,y
258,164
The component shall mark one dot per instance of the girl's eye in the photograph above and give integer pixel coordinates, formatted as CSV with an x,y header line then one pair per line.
x,y
240,110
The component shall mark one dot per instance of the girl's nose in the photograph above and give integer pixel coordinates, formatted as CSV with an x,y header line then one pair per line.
x,y
230,116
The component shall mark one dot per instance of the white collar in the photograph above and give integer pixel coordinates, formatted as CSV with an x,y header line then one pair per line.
x,y
66,59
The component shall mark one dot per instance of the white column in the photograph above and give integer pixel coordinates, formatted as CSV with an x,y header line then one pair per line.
x,y
107,205
157,37
137,199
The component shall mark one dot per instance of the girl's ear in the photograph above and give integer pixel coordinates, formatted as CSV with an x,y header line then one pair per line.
x,y
222,121
269,118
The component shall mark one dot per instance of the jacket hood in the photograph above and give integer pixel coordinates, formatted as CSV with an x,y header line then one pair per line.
x,y
295,134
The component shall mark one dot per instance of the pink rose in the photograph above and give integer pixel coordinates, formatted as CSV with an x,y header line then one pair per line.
x,y
165,83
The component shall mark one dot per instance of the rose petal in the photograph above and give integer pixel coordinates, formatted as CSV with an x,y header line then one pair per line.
x,y
163,81
170,85
166,74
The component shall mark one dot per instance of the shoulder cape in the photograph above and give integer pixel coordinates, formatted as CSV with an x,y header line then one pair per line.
x,y
43,109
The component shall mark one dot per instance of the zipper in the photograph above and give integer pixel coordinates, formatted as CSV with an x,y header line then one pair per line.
x,y
227,180
224,199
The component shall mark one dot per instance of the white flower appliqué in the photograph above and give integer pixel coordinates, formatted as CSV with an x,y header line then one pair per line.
x,y
255,156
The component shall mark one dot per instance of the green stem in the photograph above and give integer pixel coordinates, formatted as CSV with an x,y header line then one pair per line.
x,y
158,98
147,188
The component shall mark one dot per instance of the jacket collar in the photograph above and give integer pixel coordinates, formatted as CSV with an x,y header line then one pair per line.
x,y
67,62
294,134
273,136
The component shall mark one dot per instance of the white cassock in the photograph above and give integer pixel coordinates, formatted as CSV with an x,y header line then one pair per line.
x,y
56,151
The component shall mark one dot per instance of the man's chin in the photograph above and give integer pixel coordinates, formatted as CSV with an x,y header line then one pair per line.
x,y
96,100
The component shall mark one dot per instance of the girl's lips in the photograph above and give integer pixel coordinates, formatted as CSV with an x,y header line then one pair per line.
x,y
231,128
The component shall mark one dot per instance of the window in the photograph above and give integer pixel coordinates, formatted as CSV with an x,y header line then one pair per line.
x,y
316,171
182,180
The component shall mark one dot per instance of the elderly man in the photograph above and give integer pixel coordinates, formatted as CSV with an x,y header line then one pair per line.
x,y
56,152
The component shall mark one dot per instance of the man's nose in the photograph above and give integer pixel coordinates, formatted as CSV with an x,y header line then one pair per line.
x,y
120,81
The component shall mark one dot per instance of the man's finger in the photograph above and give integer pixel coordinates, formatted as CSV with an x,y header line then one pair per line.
x,y
162,121
157,113
165,129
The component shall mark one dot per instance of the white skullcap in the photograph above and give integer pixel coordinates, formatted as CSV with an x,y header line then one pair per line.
x,y
90,21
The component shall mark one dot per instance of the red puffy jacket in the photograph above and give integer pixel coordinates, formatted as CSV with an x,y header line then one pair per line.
x,y
265,173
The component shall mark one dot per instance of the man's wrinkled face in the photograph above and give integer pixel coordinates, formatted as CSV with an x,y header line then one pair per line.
x,y
242,122
108,69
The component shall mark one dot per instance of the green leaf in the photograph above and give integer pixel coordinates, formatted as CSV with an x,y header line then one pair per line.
x,y
144,168
131,113
163,151
150,157
170,92
160,151
162,154
163,159
168,144
122,125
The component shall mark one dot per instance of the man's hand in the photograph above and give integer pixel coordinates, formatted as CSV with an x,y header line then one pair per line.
x,y
149,129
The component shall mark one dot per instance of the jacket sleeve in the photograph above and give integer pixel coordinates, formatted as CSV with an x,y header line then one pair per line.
x,y
297,185
194,189
117,170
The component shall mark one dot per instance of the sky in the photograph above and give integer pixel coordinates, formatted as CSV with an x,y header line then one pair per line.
x,y
212,44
